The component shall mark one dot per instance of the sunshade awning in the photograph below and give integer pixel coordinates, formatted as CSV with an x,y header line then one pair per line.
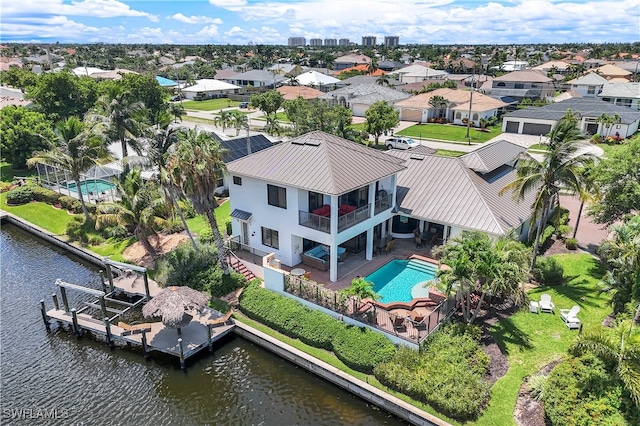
x,y
241,215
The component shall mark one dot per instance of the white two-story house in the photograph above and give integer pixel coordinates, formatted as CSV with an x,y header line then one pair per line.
x,y
317,195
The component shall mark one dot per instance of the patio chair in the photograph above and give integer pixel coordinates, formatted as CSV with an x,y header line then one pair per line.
x,y
390,246
567,314
398,323
418,321
546,305
222,320
418,242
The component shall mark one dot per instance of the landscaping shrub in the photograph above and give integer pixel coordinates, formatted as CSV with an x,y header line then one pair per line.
x,y
21,195
187,209
448,373
70,203
95,239
362,349
581,391
175,225
5,186
597,138
289,317
536,385
571,243
229,227
45,195
548,271
220,284
185,266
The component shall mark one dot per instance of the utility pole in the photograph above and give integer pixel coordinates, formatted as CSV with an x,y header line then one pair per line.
x,y
469,116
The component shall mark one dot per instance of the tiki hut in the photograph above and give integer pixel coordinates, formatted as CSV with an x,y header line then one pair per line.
x,y
173,304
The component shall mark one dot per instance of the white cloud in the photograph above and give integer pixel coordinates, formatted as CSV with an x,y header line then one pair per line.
x,y
228,3
93,8
196,19
208,31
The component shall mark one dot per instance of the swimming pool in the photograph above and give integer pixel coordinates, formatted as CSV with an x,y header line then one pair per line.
x,y
395,281
97,186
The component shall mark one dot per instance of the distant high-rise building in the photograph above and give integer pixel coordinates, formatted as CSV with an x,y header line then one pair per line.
x,y
391,41
331,42
344,42
297,41
369,41
315,42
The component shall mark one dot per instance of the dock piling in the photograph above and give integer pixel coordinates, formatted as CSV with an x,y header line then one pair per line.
x,y
43,311
109,274
76,327
145,351
146,285
55,301
65,300
103,307
102,283
107,324
210,341
181,353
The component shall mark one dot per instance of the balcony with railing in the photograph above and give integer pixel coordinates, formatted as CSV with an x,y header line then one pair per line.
x,y
345,221
383,203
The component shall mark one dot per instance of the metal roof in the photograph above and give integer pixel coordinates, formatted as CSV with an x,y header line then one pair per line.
x,y
620,90
591,79
491,156
444,190
585,107
365,93
534,76
318,162
241,214
237,147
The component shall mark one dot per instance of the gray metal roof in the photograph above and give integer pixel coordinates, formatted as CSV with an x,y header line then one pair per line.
x,y
444,190
366,94
590,78
585,107
318,162
491,156
620,90
237,147
257,75
241,214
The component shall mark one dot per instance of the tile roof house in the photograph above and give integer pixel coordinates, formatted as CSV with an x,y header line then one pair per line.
x,y
292,92
609,71
418,109
316,189
255,78
208,88
361,68
349,61
540,120
418,72
623,94
531,84
588,85
359,97
451,195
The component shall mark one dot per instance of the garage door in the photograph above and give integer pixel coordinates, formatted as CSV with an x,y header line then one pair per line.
x,y
512,127
411,115
358,109
536,129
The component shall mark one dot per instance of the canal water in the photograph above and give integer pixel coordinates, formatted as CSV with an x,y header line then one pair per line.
x,y
52,378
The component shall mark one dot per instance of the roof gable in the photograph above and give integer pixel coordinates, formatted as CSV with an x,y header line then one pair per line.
x,y
534,76
491,156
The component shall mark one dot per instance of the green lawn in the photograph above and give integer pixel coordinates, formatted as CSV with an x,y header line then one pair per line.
x,y
41,214
610,148
449,132
199,223
539,147
198,120
7,174
280,116
532,341
449,153
358,126
113,248
210,104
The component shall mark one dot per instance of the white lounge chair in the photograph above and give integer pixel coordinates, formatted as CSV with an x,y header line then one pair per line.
x,y
569,316
546,305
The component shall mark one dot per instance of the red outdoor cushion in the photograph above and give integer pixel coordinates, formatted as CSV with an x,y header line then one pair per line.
x,y
323,211
346,208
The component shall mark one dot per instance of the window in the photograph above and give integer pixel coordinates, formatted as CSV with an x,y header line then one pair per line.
x,y
220,183
519,86
500,84
591,90
458,115
534,86
316,200
277,196
237,180
623,102
270,238
475,117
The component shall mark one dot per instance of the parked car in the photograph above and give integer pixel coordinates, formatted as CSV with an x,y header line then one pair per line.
x,y
401,143
244,104
175,98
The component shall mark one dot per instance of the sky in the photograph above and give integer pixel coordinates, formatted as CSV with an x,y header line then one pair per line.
x,y
274,21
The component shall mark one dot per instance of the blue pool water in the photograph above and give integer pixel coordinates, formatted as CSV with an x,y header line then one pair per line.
x,y
394,281
95,186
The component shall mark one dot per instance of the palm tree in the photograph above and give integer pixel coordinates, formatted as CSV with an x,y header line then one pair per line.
x,y
239,121
177,110
383,79
619,347
560,168
140,208
122,118
195,167
608,121
76,150
223,119
439,103
373,66
360,289
272,127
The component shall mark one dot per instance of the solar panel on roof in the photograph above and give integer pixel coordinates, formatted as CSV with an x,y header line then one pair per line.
x,y
313,142
417,157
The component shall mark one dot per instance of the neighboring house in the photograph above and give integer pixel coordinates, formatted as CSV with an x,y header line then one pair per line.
x,y
358,98
314,190
557,67
609,71
367,79
456,109
623,94
349,61
389,65
589,85
86,71
166,83
240,147
514,65
362,69
225,74
418,72
286,69
446,196
540,120
523,84
293,92
115,74
256,78
11,96
6,63
208,88
313,79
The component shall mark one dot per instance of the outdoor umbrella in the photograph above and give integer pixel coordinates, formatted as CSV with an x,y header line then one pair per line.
x,y
172,304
